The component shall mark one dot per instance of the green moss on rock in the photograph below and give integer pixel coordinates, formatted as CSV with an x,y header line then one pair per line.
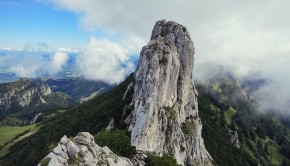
x,y
188,128
45,161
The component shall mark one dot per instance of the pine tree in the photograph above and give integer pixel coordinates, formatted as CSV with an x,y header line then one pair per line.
x,y
266,149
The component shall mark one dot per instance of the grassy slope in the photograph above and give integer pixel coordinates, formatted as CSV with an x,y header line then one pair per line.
x,y
7,133
93,95
15,134
91,116
275,156
229,115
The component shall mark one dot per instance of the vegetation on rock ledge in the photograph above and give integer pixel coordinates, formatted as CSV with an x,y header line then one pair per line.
x,y
165,160
117,140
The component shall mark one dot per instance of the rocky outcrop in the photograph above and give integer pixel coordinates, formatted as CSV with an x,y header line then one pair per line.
x,y
21,93
139,158
81,151
234,138
165,118
111,125
35,118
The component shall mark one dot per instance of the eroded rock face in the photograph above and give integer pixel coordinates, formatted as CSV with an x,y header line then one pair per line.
x,y
165,118
22,93
234,138
81,151
35,118
111,125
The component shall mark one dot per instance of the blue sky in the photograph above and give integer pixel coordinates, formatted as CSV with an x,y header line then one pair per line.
x,y
29,22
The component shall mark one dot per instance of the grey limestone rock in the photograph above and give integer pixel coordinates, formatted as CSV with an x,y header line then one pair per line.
x,y
35,118
111,125
81,151
234,138
165,118
139,159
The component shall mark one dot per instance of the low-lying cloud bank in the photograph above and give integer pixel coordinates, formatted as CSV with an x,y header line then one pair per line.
x,y
100,60
31,64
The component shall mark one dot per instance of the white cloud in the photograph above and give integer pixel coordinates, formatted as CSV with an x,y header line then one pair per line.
x,y
25,64
31,64
25,71
133,44
243,36
104,60
68,50
58,60
5,60
101,59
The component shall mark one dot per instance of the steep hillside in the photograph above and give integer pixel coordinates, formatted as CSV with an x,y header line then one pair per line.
x,y
224,107
20,94
97,113
91,116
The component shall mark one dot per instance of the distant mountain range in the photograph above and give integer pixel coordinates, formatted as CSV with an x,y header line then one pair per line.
x,y
77,88
23,99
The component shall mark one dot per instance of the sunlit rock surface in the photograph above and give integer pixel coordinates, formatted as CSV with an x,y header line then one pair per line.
x,y
81,151
165,118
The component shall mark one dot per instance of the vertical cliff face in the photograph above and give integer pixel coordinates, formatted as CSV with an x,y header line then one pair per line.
x,y
165,117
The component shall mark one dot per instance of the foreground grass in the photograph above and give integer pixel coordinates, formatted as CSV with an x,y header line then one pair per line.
x,y
9,132
9,135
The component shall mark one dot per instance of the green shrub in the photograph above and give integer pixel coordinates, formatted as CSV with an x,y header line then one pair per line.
x,y
170,112
45,161
165,160
74,160
117,141
188,128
